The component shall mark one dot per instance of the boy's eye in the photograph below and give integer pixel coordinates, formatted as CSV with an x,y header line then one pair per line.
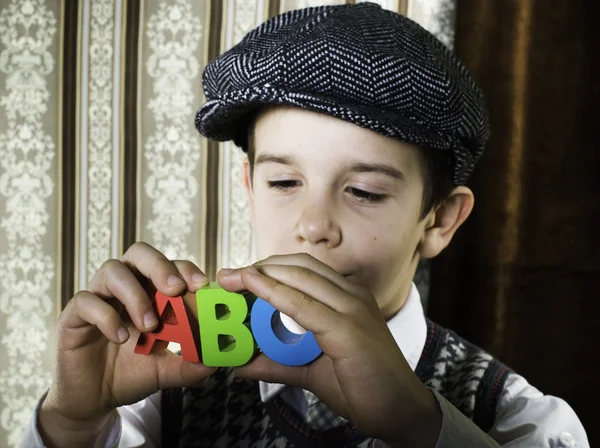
x,y
365,196
360,195
283,184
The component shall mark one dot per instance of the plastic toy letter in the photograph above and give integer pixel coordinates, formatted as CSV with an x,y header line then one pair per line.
x,y
174,326
224,337
279,343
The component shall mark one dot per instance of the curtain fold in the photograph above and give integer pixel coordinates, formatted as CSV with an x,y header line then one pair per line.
x,y
520,277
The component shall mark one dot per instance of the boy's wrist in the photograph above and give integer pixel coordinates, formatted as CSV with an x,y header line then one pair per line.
x,y
423,429
58,431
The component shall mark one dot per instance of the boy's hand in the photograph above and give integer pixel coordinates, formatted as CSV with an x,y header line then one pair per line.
x,y
96,367
362,374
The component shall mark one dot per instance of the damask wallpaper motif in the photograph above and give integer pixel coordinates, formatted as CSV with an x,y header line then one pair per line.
x,y
98,150
97,137
169,159
28,202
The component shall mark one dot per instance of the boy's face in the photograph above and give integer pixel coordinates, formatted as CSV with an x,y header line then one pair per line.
x,y
348,196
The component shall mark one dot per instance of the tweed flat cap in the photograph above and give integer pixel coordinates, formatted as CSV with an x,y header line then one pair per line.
x,y
359,63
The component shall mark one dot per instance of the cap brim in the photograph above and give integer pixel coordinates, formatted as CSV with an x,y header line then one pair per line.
x,y
219,119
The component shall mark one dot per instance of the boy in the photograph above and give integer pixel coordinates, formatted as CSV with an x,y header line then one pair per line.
x,y
361,130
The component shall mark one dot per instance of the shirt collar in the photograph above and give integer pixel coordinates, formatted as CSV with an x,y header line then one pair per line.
x,y
408,327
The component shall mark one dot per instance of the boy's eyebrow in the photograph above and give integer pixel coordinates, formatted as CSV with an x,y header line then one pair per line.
x,y
357,167
266,157
362,167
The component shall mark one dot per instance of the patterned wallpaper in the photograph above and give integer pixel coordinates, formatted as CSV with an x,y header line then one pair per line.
x,y
29,200
98,150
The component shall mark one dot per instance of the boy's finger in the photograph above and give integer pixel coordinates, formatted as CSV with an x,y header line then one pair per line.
x,y
145,260
231,279
304,309
304,280
338,278
191,274
86,309
114,279
312,284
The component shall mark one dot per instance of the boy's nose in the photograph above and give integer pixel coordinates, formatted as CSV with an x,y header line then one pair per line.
x,y
316,226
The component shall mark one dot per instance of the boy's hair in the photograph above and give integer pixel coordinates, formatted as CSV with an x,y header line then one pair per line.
x,y
436,169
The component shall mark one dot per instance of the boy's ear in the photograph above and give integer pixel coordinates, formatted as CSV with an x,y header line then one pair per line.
x,y
444,221
247,181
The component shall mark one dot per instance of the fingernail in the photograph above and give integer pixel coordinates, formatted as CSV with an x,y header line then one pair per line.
x,y
253,270
174,280
198,278
150,319
122,334
227,271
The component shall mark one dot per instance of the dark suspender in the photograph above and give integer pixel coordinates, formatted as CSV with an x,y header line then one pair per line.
x,y
171,411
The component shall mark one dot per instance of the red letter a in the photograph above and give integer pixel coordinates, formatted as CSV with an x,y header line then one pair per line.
x,y
174,326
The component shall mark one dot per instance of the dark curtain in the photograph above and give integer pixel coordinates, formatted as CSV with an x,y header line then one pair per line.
x,y
520,278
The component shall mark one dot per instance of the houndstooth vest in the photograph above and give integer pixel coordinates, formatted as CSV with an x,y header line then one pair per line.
x,y
228,412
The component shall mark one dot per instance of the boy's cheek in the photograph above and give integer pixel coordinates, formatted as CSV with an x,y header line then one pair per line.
x,y
274,239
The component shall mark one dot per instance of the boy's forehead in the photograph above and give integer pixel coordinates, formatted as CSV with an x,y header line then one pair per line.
x,y
307,124
292,136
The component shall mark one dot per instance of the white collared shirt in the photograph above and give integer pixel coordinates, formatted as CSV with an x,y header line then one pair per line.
x,y
525,418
